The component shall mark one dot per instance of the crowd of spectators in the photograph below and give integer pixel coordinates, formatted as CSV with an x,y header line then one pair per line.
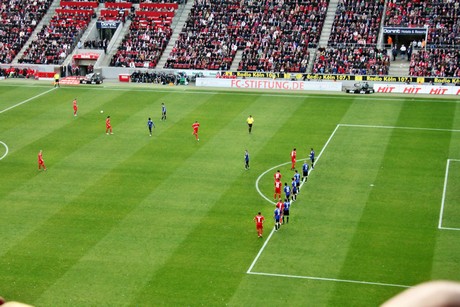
x,y
274,35
154,77
18,19
358,61
279,40
356,22
436,63
16,72
56,39
206,42
441,17
94,44
353,39
144,44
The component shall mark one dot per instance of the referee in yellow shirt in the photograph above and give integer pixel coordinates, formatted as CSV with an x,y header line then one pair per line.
x,y
250,121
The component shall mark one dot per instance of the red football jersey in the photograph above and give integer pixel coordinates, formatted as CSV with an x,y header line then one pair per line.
x,y
278,185
280,205
259,219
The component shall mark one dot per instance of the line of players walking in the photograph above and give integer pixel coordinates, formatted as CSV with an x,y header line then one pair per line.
x,y
282,208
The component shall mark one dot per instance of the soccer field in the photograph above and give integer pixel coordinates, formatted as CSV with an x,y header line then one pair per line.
x,y
133,220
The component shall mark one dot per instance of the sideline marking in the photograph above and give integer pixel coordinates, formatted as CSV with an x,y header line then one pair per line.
x,y
249,271
332,279
402,128
6,152
27,100
443,199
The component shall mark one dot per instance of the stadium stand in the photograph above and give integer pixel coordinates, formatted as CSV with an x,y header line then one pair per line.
x,y
280,38
18,20
148,36
356,22
441,20
353,40
55,40
267,35
436,62
356,61
274,36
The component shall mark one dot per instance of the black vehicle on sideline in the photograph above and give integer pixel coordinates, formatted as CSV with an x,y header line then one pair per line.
x,y
93,78
360,88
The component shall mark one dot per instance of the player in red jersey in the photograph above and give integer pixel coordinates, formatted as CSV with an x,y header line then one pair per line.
x,y
75,107
280,205
41,162
277,175
293,158
277,189
108,126
195,127
259,219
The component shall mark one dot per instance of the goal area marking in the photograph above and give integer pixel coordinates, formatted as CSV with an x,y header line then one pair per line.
x,y
443,199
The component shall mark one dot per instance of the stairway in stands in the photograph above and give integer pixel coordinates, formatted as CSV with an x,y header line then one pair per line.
x,y
325,32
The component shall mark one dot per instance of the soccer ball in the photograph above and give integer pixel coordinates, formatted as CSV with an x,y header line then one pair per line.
x,y
102,111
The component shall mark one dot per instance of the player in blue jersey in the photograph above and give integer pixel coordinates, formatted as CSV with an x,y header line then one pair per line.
x,y
246,159
163,111
276,217
295,189
297,180
287,206
150,125
312,158
305,171
287,190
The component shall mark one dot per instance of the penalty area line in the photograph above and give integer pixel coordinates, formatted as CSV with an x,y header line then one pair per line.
x,y
270,201
332,279
27,100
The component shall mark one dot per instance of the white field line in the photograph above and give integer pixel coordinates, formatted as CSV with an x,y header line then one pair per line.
x,y
249,271
6,150
260,251
332,279
443,199
449,228
443,194
27,100
403,128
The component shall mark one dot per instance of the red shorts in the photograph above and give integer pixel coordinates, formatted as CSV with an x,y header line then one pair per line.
x,y
278,191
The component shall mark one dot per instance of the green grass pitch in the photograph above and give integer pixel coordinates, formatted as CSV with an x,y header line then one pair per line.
x,y
133,220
